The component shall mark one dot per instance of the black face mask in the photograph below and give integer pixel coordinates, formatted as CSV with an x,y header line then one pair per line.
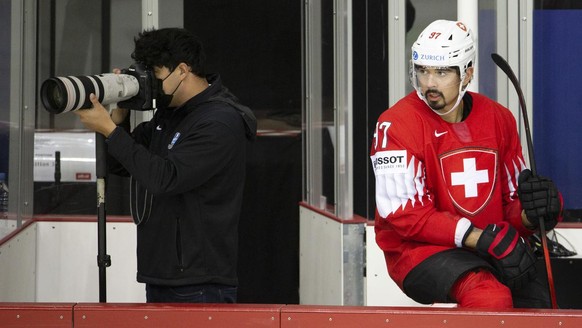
x,y
164,100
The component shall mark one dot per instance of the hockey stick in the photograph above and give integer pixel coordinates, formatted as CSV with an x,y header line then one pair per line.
x,y
504,66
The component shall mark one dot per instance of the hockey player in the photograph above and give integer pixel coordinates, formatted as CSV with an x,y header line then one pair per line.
x,y
454,199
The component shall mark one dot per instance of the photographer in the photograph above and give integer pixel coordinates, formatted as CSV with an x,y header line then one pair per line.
x,y
187,168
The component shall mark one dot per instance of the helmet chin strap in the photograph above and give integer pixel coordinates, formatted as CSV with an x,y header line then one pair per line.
x,y
461,94
452,108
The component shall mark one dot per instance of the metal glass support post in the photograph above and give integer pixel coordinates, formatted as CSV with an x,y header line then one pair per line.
x,y
343,105
312,104
23,31
468,13
396,53
149,20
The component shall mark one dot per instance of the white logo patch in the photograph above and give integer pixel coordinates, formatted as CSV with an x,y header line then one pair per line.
x,y
440,134
389,162
176,136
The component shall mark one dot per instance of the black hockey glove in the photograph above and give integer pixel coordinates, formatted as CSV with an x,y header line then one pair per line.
x,y
539,197
508,253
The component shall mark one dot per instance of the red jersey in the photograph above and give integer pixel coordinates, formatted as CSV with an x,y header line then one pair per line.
x,y
434,179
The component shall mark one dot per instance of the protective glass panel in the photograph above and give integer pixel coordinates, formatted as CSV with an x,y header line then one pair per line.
x,y
7,222
556,111
76,39
419,14
319,107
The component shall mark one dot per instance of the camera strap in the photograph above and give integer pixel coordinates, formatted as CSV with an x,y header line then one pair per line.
x,y
249,119
140,214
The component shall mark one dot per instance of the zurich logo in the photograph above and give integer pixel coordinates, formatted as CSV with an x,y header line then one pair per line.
x,y
414,55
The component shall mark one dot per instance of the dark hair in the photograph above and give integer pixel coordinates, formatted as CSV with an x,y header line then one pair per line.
x,y
169,47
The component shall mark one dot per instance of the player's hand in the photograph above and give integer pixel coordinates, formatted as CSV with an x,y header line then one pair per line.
x,y
539,197
509,254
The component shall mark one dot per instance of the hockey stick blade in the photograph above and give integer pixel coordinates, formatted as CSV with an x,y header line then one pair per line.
x,y
504,66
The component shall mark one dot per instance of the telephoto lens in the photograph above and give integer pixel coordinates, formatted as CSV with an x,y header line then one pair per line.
x,y
64,94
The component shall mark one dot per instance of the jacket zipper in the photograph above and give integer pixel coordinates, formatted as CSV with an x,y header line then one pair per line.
x,y
179,246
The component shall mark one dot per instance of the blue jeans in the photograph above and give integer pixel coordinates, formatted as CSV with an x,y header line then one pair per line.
x,y
206,293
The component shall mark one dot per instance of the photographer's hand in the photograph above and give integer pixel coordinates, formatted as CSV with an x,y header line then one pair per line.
x,y
97,118
118,115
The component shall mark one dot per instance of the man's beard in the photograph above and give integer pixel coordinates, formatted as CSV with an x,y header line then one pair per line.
x,y
435,104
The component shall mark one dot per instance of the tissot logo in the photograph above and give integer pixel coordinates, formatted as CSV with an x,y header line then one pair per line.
x,y
469,175
389,160
392,161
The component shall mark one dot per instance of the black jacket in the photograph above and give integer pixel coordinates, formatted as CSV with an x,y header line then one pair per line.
x,y
188,169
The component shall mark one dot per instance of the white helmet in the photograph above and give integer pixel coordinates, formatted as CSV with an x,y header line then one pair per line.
x,y
444,44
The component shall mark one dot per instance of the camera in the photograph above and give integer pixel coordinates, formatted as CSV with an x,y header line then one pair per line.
x,y
135,88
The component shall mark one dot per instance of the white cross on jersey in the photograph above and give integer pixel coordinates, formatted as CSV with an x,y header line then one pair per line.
x,y
470,177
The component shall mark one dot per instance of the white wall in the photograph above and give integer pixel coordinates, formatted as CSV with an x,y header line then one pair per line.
x,y
17,267
320,259
57,262
380,289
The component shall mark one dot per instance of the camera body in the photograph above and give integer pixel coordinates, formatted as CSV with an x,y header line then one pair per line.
x,y
135,88
150,88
